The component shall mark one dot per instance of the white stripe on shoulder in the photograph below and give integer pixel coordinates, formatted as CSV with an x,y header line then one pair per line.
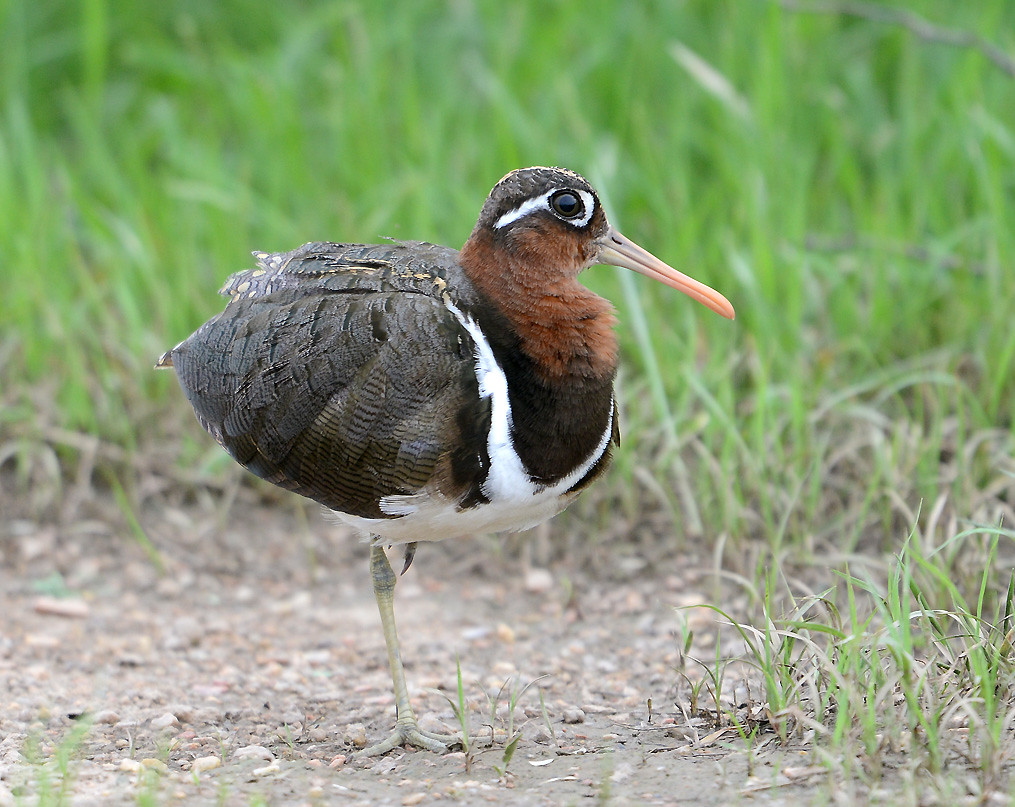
x,y
507,477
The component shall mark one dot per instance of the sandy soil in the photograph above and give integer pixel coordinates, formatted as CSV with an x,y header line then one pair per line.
x,y
252,666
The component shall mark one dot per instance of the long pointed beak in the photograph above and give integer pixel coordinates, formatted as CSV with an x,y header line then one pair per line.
x,y
619,250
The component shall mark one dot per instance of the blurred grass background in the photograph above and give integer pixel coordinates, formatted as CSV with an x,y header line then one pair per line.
x,y
845,174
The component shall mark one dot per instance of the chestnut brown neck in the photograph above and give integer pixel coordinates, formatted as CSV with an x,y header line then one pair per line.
x,y
563,327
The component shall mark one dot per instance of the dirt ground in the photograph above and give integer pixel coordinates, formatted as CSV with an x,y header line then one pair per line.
x,y
251,666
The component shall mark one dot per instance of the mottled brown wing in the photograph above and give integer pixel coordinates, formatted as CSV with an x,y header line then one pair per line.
x,y
342,396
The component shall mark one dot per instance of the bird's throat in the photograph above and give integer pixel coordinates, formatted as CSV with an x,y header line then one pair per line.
x,y
565,329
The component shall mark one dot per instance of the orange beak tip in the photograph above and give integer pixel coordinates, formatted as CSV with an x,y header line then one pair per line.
x,y
619,250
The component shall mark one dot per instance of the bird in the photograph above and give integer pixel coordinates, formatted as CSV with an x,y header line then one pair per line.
x,y
420,392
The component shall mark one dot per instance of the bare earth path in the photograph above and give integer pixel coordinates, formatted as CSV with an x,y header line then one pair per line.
x,y
250,669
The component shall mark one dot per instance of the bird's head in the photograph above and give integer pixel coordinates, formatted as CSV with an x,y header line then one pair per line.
x,y
544,225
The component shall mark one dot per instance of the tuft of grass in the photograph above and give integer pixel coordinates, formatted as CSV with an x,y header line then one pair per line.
x,y
544,713
50,769
913,671
460,708
149,788
512,734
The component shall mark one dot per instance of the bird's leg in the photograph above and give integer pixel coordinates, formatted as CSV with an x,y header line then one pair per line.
x,y
407,730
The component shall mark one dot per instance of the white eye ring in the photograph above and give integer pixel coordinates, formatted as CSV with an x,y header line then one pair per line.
x,y
542,202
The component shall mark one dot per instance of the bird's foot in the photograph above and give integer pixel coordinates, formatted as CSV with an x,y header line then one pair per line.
x,y
408,732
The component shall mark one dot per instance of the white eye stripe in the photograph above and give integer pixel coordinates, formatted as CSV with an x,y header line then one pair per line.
x,y
526,207
543,203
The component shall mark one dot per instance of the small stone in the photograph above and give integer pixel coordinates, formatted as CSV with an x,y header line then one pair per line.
x,y
681,732
538,581
42,640
573,715
153,764
267,770
106,716
542,735
183,712
506,633
253,752
356,733
294,718
413,799
338,762
288,732
505,669
65,607
202,764
166,721
383,766
802,772
130,765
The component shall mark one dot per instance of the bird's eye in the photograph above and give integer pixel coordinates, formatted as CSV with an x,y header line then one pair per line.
x,y
567,205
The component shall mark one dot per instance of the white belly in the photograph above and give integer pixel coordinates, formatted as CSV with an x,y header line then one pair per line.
x,y
434,519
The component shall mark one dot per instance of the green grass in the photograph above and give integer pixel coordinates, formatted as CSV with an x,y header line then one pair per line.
x,y
856,209
847,182
906,676
51,771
